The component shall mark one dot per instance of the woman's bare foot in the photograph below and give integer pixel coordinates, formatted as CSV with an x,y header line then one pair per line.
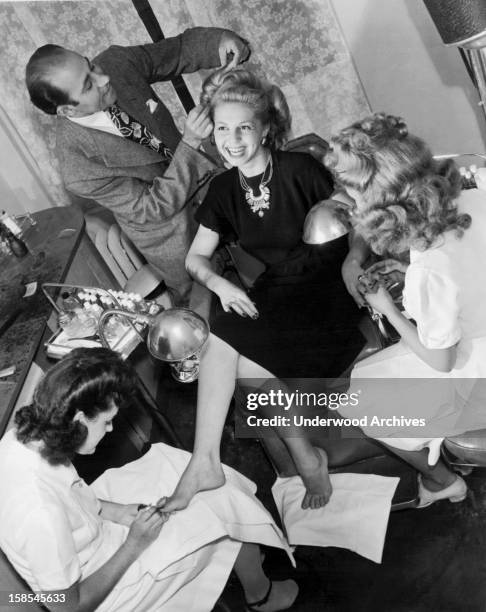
x,y
199,475
282,596
315,477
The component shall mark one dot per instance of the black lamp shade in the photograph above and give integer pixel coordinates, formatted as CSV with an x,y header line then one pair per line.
x,y
459,22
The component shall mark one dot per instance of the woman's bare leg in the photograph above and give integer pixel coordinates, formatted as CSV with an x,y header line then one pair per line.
x,y
217,376
220,366
310,461
248,568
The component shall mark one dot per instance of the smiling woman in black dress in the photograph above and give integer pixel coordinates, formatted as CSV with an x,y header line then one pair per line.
x,y
298,320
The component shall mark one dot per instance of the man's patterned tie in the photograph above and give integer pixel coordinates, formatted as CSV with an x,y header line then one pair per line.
x,y
130,128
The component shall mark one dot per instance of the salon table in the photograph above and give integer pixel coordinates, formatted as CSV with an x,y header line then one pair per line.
x,y
59,252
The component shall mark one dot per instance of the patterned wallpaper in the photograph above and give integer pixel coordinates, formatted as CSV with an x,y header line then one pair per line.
x,y
297,45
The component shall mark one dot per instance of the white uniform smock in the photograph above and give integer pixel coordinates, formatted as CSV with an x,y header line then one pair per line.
x,y
445,293
52,533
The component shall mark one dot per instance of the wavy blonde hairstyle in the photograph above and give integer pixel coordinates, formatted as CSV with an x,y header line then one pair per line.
x,y
409,198
267,101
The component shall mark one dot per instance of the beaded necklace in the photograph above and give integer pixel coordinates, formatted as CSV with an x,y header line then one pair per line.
x,y
261,201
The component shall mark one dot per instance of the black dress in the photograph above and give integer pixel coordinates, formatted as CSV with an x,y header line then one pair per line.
x,y
307,320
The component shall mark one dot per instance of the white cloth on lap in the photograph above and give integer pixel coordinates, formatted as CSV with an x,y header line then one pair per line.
x,y
356,516
191,560
231,510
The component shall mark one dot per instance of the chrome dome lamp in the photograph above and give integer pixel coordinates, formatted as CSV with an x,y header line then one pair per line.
x,y
176,336
327,220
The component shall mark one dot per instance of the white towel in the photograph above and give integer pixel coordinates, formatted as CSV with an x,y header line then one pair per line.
x,y
355,517
229,511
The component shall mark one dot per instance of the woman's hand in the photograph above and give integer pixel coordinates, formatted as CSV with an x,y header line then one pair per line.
x,y
118,513
234,298
198,126
145,528
388,270
126,514
381,301
352,268
352,273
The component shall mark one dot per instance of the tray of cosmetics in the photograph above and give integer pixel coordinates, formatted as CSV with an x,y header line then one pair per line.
x,y
79,310
472,176
468,177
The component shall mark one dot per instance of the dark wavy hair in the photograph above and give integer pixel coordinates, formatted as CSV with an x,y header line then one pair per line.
x,y
268,101
408,197
42,93
86,380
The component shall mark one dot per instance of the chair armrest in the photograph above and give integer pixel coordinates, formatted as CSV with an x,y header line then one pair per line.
x,y
308,143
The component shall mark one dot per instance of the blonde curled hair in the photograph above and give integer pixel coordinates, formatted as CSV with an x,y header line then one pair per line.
x,y
409,198
267,101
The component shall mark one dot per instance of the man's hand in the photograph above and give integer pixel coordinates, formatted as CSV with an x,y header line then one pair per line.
x,y
233,50
198,126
